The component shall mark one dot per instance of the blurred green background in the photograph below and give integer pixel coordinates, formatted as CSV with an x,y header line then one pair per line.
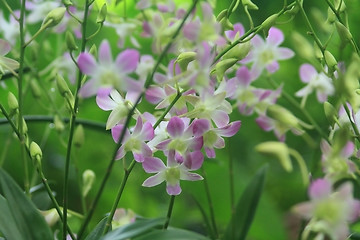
x,y
273,219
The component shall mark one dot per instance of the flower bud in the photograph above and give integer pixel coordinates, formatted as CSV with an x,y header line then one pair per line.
x,y
222,66
278,150
268,23
318,52
102,14
35,89
330,113
239,52
79,136
59,125
341,8
330,59
12,102
67,3
35,152
70,41
282,115
302,46
249,4
88,179
62,85
54,17
51,216
184,59
331,17
343,32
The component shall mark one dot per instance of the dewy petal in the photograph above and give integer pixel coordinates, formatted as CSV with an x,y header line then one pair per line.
x,y
190,176
220,118
87,64
153,165
175,127
307,72
320,188
154,180
284,53
105,57
5,47
229,130
275,37
194,160
127,61
173,189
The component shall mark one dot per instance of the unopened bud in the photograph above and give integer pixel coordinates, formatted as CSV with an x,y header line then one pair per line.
x,y
249,4
62,85
58,123
318,52
67,3
330,113
102,14
35,89
331,17
282,115
278,150
239,52
54,17
70,41
79,136
184,59
35,152
12,102
330,59
51,216
268,23
341,8
343,32
222,66
88,178
302,46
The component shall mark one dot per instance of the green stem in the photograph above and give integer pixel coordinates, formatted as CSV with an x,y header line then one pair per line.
x,y
118,196
355,128
303,169
168,216
95,33
73,122
10,10
211,206
10,74
146,85
42,28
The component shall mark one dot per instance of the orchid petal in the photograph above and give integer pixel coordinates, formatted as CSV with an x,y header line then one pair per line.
x,y
194,160
173,189
127,61
175,127
307,72
87,64
105,56
190,176
275,37
153,165
154,180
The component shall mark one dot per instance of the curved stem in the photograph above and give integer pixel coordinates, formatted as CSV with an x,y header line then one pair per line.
x,y
303,169
355,128
168,216
118,196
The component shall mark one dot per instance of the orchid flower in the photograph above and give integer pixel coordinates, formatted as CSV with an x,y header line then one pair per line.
x,y
173,172
6,63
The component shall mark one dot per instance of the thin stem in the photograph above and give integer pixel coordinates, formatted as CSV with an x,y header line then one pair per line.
x,y
211,206
72,15
73,122
10,9
42,28
26,171
178,95
146,85
303,169
118,196
168,216
355,128
95,33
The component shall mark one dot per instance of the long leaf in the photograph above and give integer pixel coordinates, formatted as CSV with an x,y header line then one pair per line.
x,y
8,226
96,233
173,234
134,229
28,219
246,207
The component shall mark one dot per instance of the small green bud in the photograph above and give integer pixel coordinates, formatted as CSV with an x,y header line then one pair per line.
x,y
88,179
249,4
341,8
12,102
54,17
70,41
79,136
226,24
62,85
318,52
35,152
330,113
184,59
330,59
331,17
59,125
102,14
221,15
222,66
343,32
67,3
93,50
35,89
239,52
282,115
278,150
302,46
268,23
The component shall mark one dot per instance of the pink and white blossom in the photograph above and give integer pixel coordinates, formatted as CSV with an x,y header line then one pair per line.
x,y
6,63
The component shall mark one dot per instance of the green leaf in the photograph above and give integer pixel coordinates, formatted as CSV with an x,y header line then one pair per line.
x,y
96,233
173,234
31,225
8,225
134,229
246,207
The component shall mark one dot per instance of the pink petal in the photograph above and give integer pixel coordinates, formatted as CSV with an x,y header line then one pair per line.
x,y
196,143
116,132
348,150
147,132
238,28
132,85
307,72
175,127
127,61
190,176
154,94
210,152
272,67
138,126
244,76
284,53
275,36
142,4
173,189
5,47
264,122
220,118
320,188
207,12
220,143
163,145
191,30
104,101
154,180
194,160
89,88
120,153
257,41
153,165
304,210
229,130
105,56
87,64
199,127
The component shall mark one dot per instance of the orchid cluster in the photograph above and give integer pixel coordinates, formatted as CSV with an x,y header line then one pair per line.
x,y
170,82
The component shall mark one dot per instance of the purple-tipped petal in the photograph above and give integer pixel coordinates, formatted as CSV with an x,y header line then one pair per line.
x,y
175,127
173,189
89,89
304,210
153,165
120,153
190,176
104,101
199,127
273,67
105,56
210,152
220,118
275,37
320,188
194,160
127,61
257,41
238,29
220,143
229,130
87,64
244,76
154,94
116,132
138,157
147,132
138,126
348,150
196,143
154,180
207,12
284,53
191,30
264,122
307,72
163,145
5,47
